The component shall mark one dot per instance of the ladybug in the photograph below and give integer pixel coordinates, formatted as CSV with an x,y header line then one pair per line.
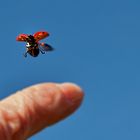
x,y
33,46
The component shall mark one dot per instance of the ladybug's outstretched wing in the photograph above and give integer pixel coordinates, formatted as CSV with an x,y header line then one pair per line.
x,y
40,35
45,47
22,37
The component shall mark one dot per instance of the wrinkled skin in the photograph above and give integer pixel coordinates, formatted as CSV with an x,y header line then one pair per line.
x,y
32,109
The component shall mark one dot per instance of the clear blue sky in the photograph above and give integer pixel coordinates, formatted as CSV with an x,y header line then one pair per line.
x,y
97,45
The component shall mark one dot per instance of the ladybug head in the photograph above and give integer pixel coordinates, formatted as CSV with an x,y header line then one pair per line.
x,y
30,39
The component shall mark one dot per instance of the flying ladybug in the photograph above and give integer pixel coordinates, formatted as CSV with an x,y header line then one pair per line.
x,y
33,46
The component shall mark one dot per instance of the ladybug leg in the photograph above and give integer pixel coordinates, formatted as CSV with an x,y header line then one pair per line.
x,y
42,51
25,54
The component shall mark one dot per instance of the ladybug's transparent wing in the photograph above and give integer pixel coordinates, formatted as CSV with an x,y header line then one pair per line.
x,y
45,47
22,37
40,35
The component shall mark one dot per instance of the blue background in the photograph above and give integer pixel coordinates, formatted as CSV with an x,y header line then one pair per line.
x,y
97,45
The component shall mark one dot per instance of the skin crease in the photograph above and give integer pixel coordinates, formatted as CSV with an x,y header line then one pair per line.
x,y
34,108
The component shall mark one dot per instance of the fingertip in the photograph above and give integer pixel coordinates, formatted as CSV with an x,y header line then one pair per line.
x,y
72,91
